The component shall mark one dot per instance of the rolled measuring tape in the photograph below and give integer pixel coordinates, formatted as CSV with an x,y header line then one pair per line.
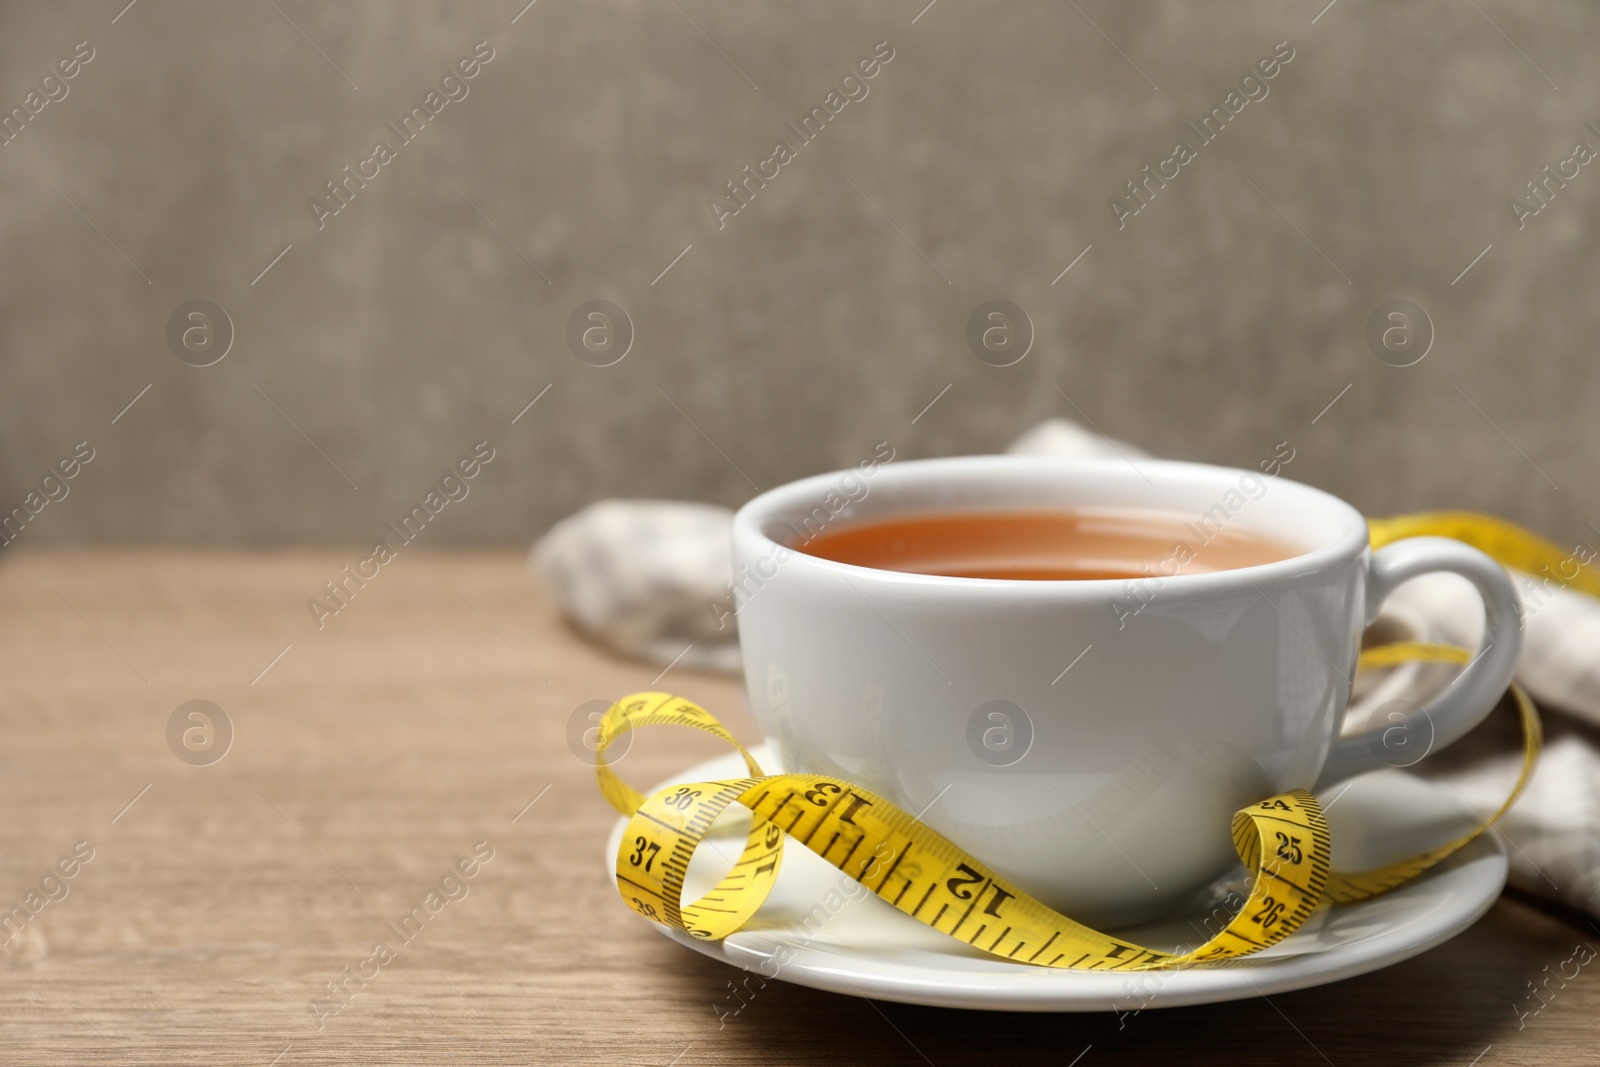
x,y
1507,543
1282,840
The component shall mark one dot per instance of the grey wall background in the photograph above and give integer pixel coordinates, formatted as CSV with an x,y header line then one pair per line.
x,y
1219,322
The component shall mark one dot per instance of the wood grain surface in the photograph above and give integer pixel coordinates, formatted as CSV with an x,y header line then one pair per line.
x,y
380,751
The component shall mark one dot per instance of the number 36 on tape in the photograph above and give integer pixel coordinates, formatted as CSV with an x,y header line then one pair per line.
x,y
1281,840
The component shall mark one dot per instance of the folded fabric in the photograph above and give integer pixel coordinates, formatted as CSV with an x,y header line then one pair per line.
x,y
652,579
649,578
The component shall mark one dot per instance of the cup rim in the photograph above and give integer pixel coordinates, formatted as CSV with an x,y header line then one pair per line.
x,y
750,521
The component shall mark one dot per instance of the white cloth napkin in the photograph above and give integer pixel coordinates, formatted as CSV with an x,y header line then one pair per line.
x,y
649,578
652,579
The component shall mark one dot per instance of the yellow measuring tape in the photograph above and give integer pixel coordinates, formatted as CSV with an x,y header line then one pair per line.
x,y
1281,840
1506,542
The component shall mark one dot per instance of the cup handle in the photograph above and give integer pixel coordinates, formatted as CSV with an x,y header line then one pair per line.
x,y
1474,693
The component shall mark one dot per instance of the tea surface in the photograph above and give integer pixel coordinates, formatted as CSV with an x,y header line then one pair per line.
x,y
1048,545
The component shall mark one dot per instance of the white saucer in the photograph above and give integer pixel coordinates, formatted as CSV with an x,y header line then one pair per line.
x,y
867,948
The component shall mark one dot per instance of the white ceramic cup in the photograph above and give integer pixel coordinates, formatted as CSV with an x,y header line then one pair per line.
x,y
1092,752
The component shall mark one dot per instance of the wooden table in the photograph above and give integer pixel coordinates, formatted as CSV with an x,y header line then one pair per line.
x,y
373,754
